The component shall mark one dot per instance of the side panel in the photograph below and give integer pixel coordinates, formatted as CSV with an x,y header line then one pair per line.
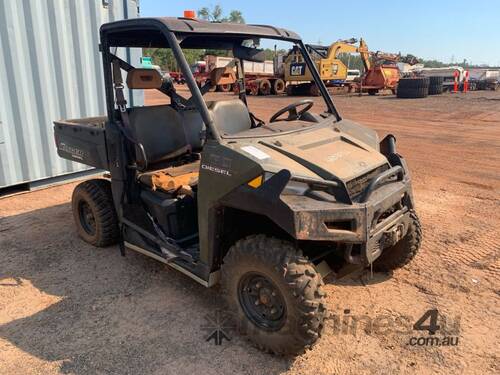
x,y
222,170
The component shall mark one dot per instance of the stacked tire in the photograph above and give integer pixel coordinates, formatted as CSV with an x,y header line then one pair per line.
x,y
435,85
413,87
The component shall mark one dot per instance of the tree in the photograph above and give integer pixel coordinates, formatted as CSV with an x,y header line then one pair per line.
x,y
236,17
215,15
165,58
270,53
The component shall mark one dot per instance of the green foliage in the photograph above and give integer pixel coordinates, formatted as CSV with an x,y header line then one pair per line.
x,y
270,53
432,63
216,15
236,17
165,58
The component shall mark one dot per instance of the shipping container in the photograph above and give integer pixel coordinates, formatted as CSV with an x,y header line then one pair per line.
x,y
50,69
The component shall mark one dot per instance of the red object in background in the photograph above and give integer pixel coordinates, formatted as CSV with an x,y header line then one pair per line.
x,y
455,86
466,81
189,14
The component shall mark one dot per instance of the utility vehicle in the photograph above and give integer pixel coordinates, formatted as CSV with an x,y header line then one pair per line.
x,y
266,207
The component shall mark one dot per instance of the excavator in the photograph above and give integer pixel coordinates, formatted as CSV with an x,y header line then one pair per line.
x,y
380,69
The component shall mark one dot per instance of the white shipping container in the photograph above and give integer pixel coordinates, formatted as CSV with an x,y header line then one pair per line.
x,y
50,69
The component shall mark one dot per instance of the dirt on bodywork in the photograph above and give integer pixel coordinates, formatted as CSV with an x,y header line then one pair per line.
x,y
67,307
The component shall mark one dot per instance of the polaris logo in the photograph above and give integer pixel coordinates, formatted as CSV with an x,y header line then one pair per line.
x,y
73,151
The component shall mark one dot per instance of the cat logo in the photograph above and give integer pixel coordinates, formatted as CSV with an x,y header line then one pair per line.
x,y
297,69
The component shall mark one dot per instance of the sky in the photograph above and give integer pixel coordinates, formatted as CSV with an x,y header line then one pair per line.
x,y
445,30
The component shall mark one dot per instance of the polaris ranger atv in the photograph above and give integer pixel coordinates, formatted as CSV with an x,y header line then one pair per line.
x,y
265,207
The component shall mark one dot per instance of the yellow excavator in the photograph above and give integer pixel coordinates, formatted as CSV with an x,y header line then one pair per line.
x,y
330,67
377,73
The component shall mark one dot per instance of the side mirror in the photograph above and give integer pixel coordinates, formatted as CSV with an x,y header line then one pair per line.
x,y
249,54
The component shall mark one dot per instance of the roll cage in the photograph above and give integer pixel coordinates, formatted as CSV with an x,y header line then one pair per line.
x,y
178,33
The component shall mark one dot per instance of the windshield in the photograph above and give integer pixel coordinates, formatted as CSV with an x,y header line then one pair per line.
x,y
241,86
276,79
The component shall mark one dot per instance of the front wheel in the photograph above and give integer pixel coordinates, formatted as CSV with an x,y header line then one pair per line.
x,y
401,253
275,294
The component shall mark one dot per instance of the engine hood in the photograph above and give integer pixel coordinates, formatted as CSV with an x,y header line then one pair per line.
x,y
316,153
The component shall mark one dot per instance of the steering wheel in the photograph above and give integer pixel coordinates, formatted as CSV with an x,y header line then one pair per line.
x,y
292,110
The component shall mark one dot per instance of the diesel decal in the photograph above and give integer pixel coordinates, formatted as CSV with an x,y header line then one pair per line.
x,y
216,169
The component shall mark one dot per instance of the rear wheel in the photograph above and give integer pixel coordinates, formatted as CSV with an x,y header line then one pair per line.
x,y
275,294
404,251
94,213
278,86
264,87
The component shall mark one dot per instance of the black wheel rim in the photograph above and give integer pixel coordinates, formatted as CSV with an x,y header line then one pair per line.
x,y
261,301
87,218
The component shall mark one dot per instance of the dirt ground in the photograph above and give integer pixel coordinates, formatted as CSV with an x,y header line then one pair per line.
x,y
66,307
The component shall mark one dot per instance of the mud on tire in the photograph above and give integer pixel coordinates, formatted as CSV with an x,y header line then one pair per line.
x,y
404,251
94,213
296,283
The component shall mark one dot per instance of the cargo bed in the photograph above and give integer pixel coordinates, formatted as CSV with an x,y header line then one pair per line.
x,y
82,140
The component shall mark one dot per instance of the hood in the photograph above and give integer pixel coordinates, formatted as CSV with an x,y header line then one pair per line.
x,y
317,153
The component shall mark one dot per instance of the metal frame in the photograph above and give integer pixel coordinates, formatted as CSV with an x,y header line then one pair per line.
x,y
172,39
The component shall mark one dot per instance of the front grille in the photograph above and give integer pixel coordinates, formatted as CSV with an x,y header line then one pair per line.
x,y
358,184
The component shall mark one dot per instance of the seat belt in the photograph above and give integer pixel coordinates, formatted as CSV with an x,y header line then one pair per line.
x,y
240,80
122,107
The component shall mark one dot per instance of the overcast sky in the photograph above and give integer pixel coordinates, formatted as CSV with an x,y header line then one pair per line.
x,y
439,29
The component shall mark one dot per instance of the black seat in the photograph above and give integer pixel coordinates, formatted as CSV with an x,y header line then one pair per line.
x,y
230,116
160,130
194,128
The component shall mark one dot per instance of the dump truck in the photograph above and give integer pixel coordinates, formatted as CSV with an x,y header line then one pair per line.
x,y
260,78
265,208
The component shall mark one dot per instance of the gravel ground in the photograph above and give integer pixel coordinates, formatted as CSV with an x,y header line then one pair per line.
x,y
66,307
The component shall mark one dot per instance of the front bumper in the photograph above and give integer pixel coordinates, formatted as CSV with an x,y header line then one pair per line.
x,y
363,229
